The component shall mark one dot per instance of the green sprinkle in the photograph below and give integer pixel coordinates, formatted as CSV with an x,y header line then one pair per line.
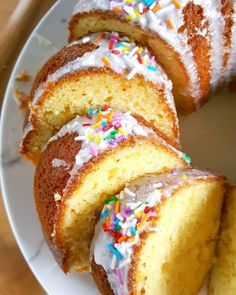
x,y
113,199
117,229
114,132
186,158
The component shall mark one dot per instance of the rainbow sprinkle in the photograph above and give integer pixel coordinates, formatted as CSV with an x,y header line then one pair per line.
x,y
124,222
121,53
157,10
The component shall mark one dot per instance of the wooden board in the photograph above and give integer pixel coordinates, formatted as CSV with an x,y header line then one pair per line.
x,y
15,276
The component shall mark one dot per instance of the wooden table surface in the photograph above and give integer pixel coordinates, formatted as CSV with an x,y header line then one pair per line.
x,y
15,276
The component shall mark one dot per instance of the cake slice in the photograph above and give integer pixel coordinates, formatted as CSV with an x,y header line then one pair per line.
x,y
158,235
89,160
186,37
99,69
223,274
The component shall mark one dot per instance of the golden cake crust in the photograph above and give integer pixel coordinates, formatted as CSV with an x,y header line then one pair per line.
x,y
49,180
66,55
59,60
227,11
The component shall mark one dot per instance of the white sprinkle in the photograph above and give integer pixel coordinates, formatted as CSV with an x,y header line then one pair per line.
x,y
158,185
132,73
140,208
57,163
121,218
113,262
129,192
124,263
80,138
86,39
57,197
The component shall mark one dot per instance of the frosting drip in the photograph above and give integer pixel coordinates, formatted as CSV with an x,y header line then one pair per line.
x,y
99,130
125,216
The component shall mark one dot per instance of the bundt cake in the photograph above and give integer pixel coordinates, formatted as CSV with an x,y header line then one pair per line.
x,y
192,40
223,275
99,69
88,160
229,61
158,235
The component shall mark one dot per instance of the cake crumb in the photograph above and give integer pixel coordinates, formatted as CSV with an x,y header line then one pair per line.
x,y
23,76
57,197
21,98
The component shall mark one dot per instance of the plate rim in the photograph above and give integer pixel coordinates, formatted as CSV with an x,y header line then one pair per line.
x,y
3,184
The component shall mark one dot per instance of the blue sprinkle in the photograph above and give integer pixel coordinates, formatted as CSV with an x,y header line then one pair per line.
x,y
152,68
116,221
90,111
148,2
133,231
118,255
104,124
119,44
104,215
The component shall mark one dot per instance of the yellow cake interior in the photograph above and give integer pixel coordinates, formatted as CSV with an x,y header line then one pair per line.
x,y
106,178
176,260
74,96
223,276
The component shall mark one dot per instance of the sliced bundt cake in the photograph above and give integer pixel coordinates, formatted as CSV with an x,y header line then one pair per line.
x,y
89,160
186,37
223,275
158,235
99,69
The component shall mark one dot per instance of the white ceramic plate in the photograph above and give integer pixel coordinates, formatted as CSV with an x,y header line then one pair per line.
x,y
208,136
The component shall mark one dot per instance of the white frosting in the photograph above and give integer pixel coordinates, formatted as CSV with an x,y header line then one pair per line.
x,y
95,140
157,23
150,188
124,62
57,163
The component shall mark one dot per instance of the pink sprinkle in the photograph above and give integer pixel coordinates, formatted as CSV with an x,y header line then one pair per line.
x,y
118,70
99,129
152,214
123,215
119,275
93,151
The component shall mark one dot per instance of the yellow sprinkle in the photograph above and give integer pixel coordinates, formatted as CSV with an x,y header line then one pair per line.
x,y
122,131
137,13
177,4
140,50
139,215
106,61
170,23
109,119
98,139
184,177
91,137
141,224
129,17
131,239
98,124
156,8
